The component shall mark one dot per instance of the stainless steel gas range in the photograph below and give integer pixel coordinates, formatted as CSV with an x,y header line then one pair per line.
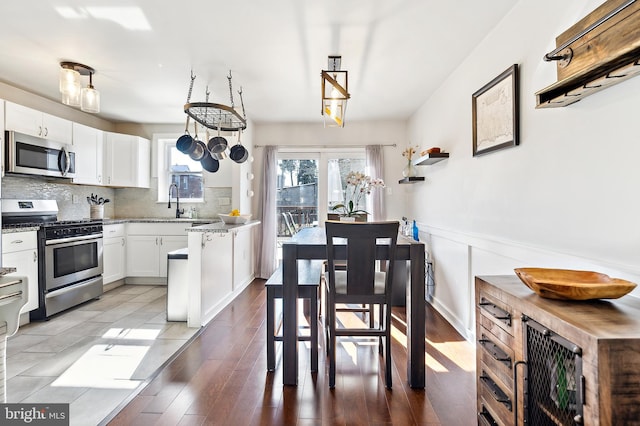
x,y
69,252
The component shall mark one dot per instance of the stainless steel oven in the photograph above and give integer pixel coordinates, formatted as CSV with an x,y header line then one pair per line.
x,y
70,262
72,259
72,269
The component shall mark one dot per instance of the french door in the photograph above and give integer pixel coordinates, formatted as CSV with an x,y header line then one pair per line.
x,y
309,183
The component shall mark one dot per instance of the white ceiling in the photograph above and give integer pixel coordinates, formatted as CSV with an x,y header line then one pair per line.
x,y
396,52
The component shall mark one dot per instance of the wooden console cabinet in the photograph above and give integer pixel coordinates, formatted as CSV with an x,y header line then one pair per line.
x,y
601,338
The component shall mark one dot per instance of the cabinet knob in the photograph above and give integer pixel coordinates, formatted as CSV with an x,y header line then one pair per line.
x,y
46,131
39,130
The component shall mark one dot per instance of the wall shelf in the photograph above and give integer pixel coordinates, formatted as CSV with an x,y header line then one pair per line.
x,y
412,179
599,51
432,158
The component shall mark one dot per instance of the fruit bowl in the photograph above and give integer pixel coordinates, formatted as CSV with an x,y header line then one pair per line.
x,y
234,220
573,285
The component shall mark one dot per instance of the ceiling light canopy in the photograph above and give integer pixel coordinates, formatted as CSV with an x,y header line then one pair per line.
x,y
72,93
335,93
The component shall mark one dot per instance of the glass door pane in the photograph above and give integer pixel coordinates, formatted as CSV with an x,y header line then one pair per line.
x,y
297,196
337,171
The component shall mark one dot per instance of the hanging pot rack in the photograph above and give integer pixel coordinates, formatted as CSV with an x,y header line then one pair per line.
x,y
214,115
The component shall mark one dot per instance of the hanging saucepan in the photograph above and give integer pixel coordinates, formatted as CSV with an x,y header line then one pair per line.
x,y
199,151
217,144
185,142
209,163
239,153
220,155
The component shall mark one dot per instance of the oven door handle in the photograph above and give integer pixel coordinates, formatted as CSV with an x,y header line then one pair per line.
x,y
73,239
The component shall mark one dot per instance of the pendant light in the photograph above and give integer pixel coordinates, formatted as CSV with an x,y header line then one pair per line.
x,y
90,97
71,91
335,93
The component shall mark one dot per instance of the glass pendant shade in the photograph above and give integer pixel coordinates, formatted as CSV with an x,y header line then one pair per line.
x,y
71,99
69,81
90,100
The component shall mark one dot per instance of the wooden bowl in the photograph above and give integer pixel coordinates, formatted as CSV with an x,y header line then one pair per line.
x,y
573,285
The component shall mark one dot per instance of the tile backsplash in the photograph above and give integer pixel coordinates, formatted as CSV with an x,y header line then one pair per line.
x,y
125,202
37,188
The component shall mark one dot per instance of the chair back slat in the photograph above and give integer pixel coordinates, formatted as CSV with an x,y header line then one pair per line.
x,y
363,243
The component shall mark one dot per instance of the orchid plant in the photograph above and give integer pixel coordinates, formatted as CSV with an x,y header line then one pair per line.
x,y
358,185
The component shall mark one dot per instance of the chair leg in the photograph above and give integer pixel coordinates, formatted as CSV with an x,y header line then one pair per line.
x,y
371,319
313,323
388,348
331,317
271,341
381,323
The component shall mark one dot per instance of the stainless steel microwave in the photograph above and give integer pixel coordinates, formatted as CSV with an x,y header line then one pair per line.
x,y
30,155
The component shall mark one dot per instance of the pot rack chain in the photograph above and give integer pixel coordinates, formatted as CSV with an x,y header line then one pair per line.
x,y
216,116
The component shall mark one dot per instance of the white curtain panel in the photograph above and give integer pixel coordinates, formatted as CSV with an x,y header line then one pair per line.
x,y
375,169
267,262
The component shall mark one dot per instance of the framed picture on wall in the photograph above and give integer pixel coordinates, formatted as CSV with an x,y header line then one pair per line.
x,y
495,113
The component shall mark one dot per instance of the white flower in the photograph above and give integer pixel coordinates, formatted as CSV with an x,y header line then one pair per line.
x,y
358,185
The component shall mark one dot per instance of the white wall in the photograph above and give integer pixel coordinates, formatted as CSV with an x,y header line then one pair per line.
x,y
566,197
354,133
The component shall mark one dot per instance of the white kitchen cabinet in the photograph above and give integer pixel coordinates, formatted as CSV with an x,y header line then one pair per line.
x,y
127,161
242,257
88,146
2,147
148,245
114,252
20,250
36,123
216,272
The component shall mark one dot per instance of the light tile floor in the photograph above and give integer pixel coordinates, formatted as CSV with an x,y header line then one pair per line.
x,y
96,355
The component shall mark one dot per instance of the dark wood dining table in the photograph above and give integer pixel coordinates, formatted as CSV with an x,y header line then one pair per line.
x,y
310,243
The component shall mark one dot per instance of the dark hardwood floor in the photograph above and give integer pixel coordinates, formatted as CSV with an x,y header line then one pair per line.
x,y
221,379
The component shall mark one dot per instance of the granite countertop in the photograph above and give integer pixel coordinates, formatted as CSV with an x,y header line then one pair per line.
x,y
8,229
108,221
222,227
7,270
211,224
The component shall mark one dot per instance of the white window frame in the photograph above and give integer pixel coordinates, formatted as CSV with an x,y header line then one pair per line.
x,y
163,164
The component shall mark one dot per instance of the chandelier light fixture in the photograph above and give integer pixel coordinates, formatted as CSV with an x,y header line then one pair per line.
x,y
335,93
72,93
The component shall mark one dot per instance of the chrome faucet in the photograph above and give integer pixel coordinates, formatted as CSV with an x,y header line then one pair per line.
x,y
178,211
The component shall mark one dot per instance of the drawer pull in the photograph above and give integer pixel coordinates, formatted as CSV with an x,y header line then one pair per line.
x,y
496,312
17,242
11,295
485,418
497,393
496,352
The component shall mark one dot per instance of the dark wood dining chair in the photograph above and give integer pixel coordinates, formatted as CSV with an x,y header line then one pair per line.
x,y
353,251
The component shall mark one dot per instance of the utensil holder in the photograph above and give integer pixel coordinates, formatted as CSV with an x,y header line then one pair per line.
x,y
96,211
